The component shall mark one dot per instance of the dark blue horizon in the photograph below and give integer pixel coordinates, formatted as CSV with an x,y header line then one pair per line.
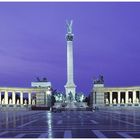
x,y
106,41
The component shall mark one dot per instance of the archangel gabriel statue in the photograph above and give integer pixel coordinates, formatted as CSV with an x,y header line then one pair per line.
x,y
69,26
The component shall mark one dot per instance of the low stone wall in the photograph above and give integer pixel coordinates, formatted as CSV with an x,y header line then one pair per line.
x,y
40,108
14,107
118,108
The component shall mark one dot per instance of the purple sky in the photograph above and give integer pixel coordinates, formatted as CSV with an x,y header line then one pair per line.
x,y
106,41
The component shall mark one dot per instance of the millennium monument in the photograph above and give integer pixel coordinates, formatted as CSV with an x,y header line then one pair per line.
x,y
72,101
70,87
41,93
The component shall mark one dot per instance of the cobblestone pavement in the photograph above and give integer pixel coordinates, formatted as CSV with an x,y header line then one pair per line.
x,y
85,124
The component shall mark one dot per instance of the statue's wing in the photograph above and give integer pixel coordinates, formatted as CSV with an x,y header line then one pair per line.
x,y
67,22
71,22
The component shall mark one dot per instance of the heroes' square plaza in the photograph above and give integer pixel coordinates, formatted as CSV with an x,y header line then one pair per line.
x,y
76,124
41,112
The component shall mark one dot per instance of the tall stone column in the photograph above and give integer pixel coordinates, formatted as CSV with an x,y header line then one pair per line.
x,y
6,97
0,98
126,97
13,97
21,98
70,87
119,97
110,97
29,98
134,97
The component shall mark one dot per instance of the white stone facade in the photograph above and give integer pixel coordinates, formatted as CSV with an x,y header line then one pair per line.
x,y
116,96
11,100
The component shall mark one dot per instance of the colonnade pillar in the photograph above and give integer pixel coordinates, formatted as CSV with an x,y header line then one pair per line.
x,y
134,96
21,98
126,97
119,97
13,98
29,98
6,97
110,97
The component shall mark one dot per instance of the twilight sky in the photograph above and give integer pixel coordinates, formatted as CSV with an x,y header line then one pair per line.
x,y
106,41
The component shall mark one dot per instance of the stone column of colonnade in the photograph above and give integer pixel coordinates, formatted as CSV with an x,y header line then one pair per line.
x,y
21,98
134,97
13,97
119,97
6,97
126,97
29,98
110,93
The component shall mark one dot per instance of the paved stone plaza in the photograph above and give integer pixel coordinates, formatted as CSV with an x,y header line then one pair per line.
x,y
40,124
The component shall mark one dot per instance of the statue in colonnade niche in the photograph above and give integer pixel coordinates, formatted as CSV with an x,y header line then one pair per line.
x,y
130,100
137,100
33,102
25,102
10,101
114,100
122,101
106,101
17,101
3,101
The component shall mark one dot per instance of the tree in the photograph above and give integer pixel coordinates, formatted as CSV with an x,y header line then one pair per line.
x,y
87,99
54,92
52,100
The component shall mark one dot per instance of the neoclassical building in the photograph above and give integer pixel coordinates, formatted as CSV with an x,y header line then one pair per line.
x,y
38,94
114,96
